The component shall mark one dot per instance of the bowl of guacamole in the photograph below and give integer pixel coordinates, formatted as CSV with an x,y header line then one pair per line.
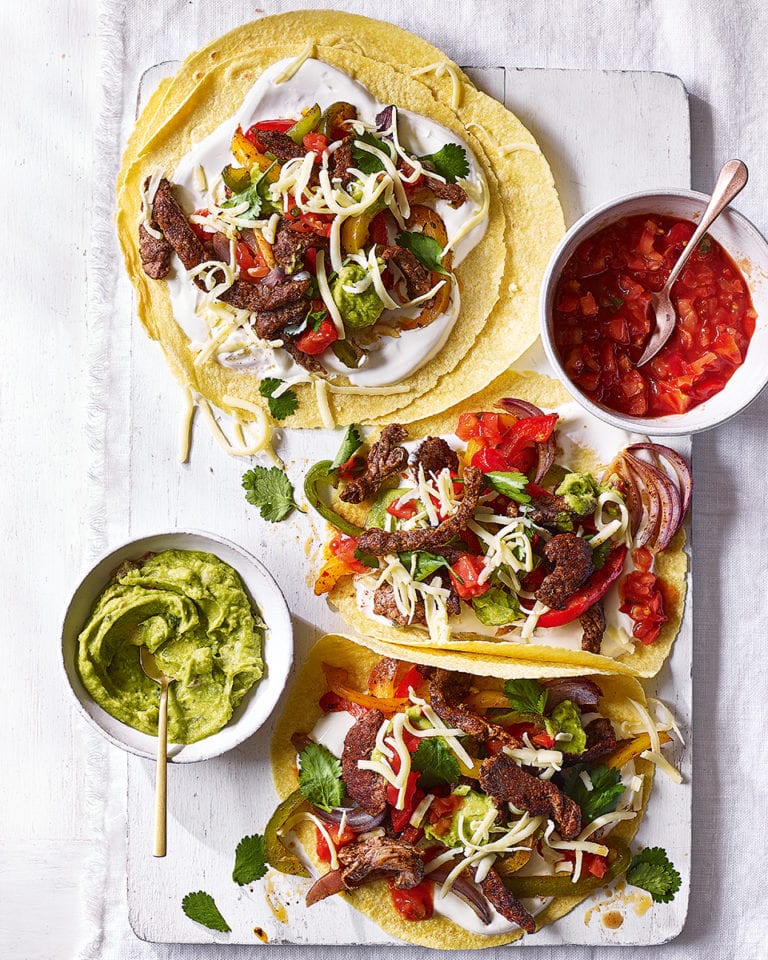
x,y
216,622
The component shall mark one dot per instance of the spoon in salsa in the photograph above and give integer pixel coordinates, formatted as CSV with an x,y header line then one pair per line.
x,y
151,670
731,181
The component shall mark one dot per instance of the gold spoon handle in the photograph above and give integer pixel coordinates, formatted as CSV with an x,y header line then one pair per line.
x,y
161,774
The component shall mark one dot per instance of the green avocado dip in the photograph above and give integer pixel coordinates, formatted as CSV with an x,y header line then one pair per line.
x,y
191,610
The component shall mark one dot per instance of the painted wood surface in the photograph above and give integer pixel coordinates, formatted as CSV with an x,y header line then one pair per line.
x,y
213,804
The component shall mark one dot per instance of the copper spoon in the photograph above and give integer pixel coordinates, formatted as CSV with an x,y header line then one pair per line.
x,y
151,670
731,181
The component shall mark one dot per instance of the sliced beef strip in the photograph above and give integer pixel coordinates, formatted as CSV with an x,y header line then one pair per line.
x,y
269,323
572,560
508,906
418,280
280,145
386,458
289,246
447,692
583,691
373,859
310,363
385,605
434,455
155,254
502,779
366,787
549,510
220,243
262,296
601,740
379,543
593,627
341,161
170,218
452,192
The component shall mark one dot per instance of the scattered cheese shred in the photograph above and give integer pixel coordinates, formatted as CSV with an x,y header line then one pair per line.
x,y
522,145
440,68
185,430
325,293
323,406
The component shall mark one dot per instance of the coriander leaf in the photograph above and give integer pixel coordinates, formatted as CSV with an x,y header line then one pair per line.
x,y
364,161
271,491
426,249
496,607
250,863
509,483
450,162
526,696
436,763
256,195
604,796
422,564
282,406
350,442
201,908
367,559
566,718
600,554
320,777
653,871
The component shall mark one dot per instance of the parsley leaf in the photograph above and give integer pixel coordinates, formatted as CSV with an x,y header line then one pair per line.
x,y
604,796
526,696
320,777
250,862
450,162
426,249
422,564
350,442
271,491
282,406
367,559
510,484
201,908
653,871
496,607
256,194
436,763
364,161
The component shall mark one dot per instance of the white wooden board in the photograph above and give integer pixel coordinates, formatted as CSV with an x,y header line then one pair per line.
x,y
605,133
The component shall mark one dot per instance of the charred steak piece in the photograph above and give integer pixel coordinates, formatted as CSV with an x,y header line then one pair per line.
x,y
369,860
572,559
261,296
508,906
593,627
289,246
269,323
171,219
435,455
366,787
341,162
452,192
310,363
418,280
601,740
385,459
280,145
385,605
379,543
155,254
447,692
549,510
503,780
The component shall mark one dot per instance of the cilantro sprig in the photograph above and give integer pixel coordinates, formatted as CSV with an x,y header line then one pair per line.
x,y
526,696
604,796
652,870
320,777
364,161
426,249
201,908
271,491
510,483
282,406
250,860
435,762
450,162
256,195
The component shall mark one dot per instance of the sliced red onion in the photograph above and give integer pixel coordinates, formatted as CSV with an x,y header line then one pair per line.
x,y
662,503
545,451
681,468
384,119
464,888
521,408
326,886
634,500
582,691
276,275
356,818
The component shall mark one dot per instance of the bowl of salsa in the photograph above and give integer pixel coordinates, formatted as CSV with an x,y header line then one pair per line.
x,y
596,321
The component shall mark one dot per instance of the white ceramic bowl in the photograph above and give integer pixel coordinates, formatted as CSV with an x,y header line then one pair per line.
x,y
257,704
748,249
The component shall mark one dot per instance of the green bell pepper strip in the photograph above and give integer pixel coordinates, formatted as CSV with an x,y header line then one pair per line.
x,y
531,886
276,853
306,125
321,473
237,179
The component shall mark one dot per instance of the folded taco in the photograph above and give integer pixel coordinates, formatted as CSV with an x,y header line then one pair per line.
x,y
509,530
322,203
458,811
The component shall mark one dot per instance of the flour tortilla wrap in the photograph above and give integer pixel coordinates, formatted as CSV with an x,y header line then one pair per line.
x,y
301,712
500,278
473,652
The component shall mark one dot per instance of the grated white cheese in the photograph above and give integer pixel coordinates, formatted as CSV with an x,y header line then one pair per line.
x,y
440,68
325,293
323,406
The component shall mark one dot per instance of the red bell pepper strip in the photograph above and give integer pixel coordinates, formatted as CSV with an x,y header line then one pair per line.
x,y
595,588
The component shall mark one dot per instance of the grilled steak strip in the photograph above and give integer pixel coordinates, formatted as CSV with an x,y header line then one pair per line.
x,y
155,254
269,323
549,510
260,296
171,219
593,627
341,161
447,693
289,246
366,787
372,859
452,192
279,145
418,280
502,779
601,740
508,906
572,559
379,543
385,459
385,605
435,455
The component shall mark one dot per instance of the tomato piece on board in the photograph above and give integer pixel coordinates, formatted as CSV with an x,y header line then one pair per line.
x,y
344,548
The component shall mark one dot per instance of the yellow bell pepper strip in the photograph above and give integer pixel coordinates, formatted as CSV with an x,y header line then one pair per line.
x,y
431,226
276,853
248,155
321,473
338,679
619,859
630,749
330,573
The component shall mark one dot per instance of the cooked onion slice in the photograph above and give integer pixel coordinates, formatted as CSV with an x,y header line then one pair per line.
x,y
464,888
357,819
325,886
546,451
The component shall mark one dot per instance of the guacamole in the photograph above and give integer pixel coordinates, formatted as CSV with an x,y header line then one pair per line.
x,y
191,610
357,310
473,811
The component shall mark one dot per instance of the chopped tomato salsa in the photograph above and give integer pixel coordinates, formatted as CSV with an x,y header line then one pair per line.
x,y
602,322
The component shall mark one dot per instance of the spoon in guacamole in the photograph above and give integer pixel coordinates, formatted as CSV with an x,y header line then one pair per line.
x,y
151,670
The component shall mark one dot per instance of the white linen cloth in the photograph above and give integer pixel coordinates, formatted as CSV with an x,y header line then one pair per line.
x,y
719,51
